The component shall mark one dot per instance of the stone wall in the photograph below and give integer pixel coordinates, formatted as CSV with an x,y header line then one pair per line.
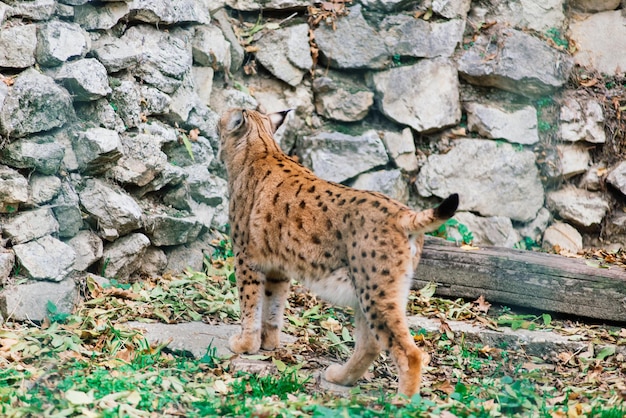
x,y
108,116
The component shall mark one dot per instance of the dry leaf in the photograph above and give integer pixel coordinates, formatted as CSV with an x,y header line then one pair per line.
x,y
194,134
482,304
445,387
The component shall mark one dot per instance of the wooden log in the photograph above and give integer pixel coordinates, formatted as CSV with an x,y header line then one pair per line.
x,y
546,282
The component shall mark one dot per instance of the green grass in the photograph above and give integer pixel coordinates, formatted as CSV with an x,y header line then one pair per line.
x,y
89,364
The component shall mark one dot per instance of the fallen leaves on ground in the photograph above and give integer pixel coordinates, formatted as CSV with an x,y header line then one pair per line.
x,y
91,364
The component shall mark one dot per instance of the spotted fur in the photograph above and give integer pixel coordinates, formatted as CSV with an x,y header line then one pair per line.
x,y
351,247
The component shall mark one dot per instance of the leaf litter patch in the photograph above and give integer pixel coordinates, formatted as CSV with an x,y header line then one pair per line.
x,y
91,364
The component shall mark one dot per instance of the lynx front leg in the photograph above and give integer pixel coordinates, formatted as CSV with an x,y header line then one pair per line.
x,y
251,284
365,352
276,292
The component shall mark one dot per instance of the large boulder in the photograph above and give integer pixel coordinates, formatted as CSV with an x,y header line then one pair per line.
x,y
30,301
46,258
424,96
29,225
17,46
578,206
493,179
516,61
59,41
592,49
351,43
339,157
86,79
13,190
286,53
33,104
517,124
406,36
41,153
113,212
124,257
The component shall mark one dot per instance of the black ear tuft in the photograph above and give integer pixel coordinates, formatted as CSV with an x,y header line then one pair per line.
x,y
278,118
447,208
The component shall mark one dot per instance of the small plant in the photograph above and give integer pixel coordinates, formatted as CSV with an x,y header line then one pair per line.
x,y
54,315
444,231
558,38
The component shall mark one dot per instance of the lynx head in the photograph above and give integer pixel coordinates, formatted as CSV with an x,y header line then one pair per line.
x,y
241,128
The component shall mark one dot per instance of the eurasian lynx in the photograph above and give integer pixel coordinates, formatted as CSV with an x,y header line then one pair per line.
x,y
351,247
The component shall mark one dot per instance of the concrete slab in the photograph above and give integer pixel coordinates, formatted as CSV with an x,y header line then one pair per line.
x,y
194,337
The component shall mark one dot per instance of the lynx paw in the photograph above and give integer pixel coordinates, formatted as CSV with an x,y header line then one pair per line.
x,y
334,374
241,343
270,340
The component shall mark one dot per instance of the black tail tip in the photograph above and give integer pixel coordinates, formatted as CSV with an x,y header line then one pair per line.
x,y
447,208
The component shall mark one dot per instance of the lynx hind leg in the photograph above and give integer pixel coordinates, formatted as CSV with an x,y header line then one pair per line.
x,y
276,292
250,284
365,352
384,303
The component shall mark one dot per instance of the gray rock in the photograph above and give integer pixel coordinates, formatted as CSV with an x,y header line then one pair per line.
x,y
153,101
252,5
339,157
617,177
126,98
481,172
222,100
494,230
29,301
64,11
59,41
42,154
154,262
387,5
594,6
100,113
535,228
201,151
594,177
573,160
7,262
183,100
352,44
43,189
515,61
101,17
516,124
17,46
590,35
578,206
205,187
210,48
111,211
286,53
236,50
33,104
29,225
581,120
531,14
97,150
67,211
204,119
171,230
407,36
401,149
86,79
342,98
188,256
13,190
46,258
424,96
88,248
171,175
123,257
203,80
168,13
563,236
142,160
32,10
158,58
388,182
451,9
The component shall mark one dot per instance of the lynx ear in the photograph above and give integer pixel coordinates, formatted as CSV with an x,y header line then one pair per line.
x,y
235,120
278,118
